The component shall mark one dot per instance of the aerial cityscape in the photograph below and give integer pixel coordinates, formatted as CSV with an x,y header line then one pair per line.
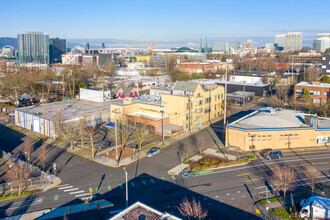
x,y
147,110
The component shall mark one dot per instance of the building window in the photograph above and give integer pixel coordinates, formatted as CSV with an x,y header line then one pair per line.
x,y
325,101
215,107
186,125
198,94
187,117
315,92
326,93
206,100
301,91
187,106
316,101
215,98
201,102
218,96
196,103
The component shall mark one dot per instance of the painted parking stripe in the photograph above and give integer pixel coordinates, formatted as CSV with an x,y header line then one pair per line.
x,y
152,181
81,191
68,190
144,182
80,195
132,184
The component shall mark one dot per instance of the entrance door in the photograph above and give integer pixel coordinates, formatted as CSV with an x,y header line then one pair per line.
x,y
36,125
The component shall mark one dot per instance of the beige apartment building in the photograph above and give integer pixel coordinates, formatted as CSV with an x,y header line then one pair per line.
x,y
188,106
278,129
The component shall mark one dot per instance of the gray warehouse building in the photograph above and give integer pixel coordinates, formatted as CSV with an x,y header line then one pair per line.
x,y
94,113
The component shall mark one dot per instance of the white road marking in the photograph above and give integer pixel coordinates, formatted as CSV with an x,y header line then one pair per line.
x,y
22,205
68,190
221,201
238,191
89,197
67,187
80,195
263,164
62,185
243,196
216,196
81,191
227,194
232,198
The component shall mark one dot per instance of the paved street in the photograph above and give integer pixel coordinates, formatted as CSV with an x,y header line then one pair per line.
x,y
228,192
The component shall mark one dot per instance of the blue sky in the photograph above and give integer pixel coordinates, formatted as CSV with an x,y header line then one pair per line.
x,y
164,20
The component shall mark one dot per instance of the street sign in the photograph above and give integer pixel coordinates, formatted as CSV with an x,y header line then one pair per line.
x,y
269,201
90,190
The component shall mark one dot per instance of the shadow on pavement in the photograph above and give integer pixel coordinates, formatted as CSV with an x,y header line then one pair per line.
x,y
162,195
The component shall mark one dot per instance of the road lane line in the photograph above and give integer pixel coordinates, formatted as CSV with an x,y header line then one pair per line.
x,y
263,164
68,190
81,191
67,187
80,195
253,180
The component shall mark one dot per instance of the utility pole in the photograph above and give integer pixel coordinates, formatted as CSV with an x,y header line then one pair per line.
x,y
243,95
43,115
292,70
63,87
225,105
116,138
126,188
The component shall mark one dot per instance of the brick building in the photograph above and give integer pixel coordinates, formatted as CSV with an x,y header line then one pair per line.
x,y
196,67
319,91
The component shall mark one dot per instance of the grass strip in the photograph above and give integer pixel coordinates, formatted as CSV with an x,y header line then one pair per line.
x,y
15,195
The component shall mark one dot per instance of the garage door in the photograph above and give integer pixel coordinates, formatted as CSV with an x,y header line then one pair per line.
x,y
36,125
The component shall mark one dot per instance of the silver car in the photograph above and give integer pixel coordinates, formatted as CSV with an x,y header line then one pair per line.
x,y
153,151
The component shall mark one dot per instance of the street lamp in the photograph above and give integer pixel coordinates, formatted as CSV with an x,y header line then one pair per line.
x,y
126,188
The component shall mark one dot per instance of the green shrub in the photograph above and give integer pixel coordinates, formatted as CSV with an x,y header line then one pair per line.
x,y
187,161
22,194
251,157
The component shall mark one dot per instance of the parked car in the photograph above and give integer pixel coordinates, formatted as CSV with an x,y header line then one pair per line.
x,y
274,155
153,151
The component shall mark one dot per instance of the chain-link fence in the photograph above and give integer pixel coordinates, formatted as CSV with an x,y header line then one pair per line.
x,y
34,183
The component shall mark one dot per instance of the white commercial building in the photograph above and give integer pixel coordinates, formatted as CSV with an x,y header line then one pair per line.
x,y
291,41
322,42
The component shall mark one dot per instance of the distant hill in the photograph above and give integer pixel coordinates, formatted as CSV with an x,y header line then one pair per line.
x,y
8,41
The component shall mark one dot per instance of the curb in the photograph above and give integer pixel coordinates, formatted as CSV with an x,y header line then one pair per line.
x,y
209,170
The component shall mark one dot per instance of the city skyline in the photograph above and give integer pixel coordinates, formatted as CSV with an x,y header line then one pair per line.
x,y
170,21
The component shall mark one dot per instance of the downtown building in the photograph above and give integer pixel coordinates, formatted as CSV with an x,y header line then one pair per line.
x,y
291,41
225,46
33,47
57,47
322,42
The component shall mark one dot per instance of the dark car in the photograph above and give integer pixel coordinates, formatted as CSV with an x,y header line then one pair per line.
x,y
274,155
153,151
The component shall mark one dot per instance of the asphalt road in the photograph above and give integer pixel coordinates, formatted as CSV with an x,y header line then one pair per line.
x,y
229,192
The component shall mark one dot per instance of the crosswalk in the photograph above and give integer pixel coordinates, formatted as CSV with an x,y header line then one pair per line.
x,y
74,191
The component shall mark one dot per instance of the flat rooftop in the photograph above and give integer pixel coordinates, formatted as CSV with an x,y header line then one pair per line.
x,y
310,84
271,118
70,109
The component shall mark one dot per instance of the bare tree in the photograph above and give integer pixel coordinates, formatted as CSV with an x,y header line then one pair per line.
x,y
312,173
283,177
66,130
141,133
43,155
192,210
19,175
91,131
28,148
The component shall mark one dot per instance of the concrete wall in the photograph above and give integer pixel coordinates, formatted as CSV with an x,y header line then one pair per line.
x,y
293,138
94,95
